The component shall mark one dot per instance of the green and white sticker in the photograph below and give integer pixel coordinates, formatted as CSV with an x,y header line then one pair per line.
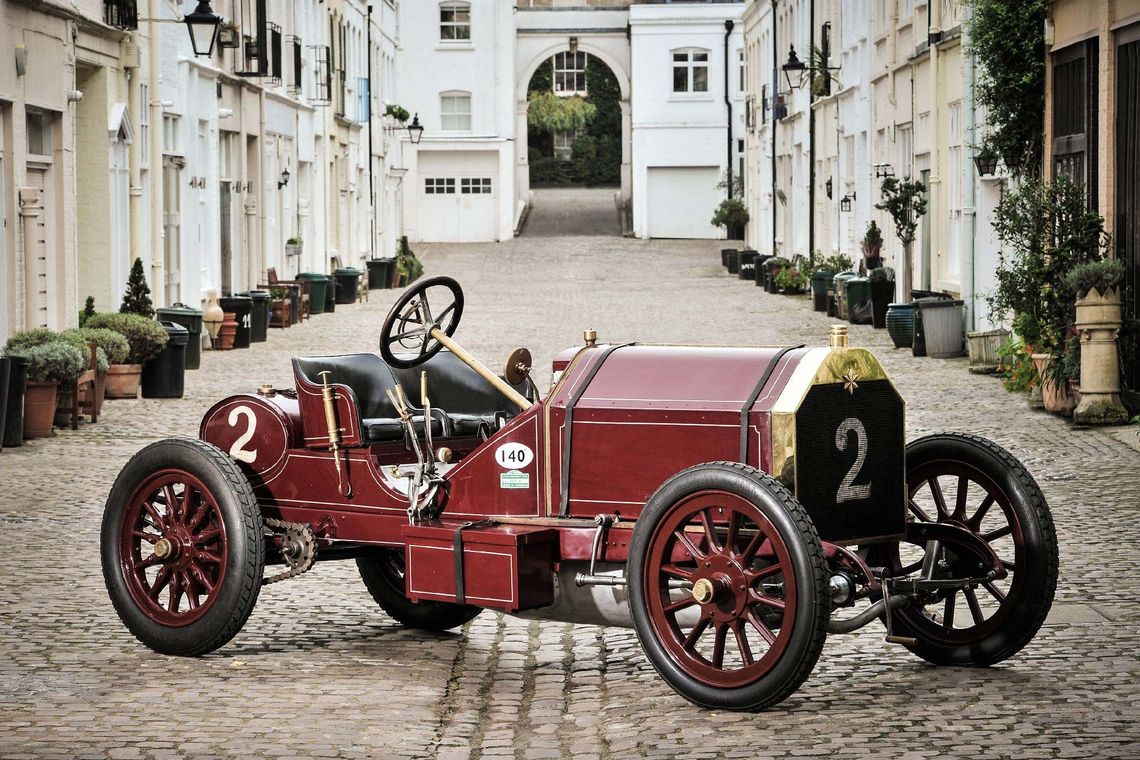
x,y
514,479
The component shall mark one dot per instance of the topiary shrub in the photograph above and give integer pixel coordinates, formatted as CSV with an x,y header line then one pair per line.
x,y
136,300
145,337
57,360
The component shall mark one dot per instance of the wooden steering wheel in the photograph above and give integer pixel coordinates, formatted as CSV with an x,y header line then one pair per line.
x,y
409,325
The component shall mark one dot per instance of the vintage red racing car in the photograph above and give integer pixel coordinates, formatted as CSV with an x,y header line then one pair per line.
x,y
733,505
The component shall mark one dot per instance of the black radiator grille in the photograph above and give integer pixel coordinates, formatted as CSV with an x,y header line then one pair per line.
x,y
846,499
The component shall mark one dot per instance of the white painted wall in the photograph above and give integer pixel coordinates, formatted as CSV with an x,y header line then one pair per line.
x,y
681,129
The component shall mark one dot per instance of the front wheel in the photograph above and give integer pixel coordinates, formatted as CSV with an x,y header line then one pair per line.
x,y
728,587
183,547
383,575
972,483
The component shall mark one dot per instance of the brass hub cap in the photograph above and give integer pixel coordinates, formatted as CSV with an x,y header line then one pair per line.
x,y
163,548
704,591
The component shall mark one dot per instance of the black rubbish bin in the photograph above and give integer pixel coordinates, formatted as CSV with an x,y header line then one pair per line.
x,y
760,270
725,254
380,273
318,284
330,294
747,265
347,280
14,408
4,361
164,376
191,319
242,308
259,315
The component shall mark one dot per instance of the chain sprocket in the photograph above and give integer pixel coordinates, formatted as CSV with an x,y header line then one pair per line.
x,y
298,548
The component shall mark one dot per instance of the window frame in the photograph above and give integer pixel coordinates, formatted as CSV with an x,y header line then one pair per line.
x,y
579,74
439,185
689,65
444,114
454,7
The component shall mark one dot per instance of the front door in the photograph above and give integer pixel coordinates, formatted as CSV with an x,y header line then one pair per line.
x,y
36,251
226,222
1127,231
172,227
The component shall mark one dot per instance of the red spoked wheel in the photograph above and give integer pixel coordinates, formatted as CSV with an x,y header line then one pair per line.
x,y
728,587
183,547
972,483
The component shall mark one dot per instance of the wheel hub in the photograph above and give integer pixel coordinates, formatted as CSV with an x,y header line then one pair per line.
x,y
721,589
163,548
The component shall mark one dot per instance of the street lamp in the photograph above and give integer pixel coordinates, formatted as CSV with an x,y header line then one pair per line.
x,y
284,178
986,163
203,27
794,64
415,130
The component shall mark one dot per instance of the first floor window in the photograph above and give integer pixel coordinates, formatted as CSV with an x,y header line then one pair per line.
x,y
455,112
564,144
570,73
690,70
454,22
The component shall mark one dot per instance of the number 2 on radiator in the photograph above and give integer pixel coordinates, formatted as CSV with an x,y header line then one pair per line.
x,y
848,491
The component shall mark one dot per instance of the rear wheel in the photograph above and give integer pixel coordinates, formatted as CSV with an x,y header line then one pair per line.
x,y
728,587
383,575
972,483
182,547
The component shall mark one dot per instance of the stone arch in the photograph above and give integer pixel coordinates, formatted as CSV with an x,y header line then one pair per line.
x,y
532,51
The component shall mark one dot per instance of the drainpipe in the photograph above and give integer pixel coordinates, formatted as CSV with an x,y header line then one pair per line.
x,y
969,209
728,24
811,143
775,121
157,228
371,177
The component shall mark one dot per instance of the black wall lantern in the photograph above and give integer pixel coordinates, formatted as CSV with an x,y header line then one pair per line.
x,y
415,130
794,66
284,178
986,163
845,202
203,26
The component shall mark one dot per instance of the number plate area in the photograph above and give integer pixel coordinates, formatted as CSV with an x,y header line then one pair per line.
x,y
850,468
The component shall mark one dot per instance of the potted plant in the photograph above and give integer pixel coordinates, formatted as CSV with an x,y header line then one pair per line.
x,y
1096,285
882,293
397,113
136,299
984,348
733,216
293,246
49,365
790,280
774,266
905,201
145,339
872,247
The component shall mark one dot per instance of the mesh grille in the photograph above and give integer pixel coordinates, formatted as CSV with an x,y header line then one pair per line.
x,y
846,498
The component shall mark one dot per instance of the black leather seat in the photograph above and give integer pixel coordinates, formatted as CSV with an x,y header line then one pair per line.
x,y
369,378
470,402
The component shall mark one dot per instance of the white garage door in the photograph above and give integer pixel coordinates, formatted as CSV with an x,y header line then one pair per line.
x,y
682,200
458,192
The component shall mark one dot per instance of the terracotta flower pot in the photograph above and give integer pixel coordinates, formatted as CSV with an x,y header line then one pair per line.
x,y
39,408
1055,398
123,381
227,332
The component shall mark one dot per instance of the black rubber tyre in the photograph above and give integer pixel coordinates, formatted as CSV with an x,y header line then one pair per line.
x,y
1031,553
229,541
383,575
801,575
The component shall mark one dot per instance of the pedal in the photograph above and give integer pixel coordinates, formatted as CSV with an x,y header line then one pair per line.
x,y
906,641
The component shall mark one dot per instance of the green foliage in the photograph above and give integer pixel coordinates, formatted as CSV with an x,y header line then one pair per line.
x,y
26,339
543,78
872,239
396,112
1016,368
137,298
145,337
114,346
294,241
737,183
881,274
1007,39
791,280
1101,276
835,263
730,214
88,310
407,263
56,360
1046,230
905,201
551,113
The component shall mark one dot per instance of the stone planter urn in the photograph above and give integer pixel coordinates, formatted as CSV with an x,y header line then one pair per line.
x,y
1098,319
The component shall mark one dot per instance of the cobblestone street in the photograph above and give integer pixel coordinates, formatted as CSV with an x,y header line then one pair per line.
x,y
320,671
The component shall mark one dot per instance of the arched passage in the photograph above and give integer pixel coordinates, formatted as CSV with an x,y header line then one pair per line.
x,y
536,49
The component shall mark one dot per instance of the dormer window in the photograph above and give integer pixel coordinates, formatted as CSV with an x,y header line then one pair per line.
x,y
455,22
691,70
